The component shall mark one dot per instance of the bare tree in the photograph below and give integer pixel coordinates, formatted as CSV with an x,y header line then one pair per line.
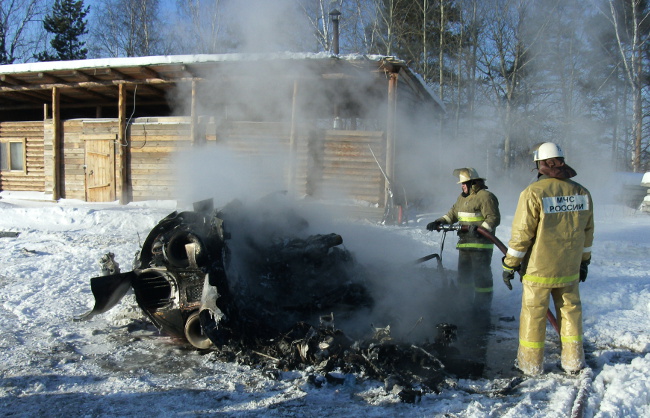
x,y
382,28
366,26
202,27
507,54
464,79
358,23
631,22
21,30
573,73
502,63
128,28
318,14
442,25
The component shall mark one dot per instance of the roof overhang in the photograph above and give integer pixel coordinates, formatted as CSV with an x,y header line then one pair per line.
x,y
93,82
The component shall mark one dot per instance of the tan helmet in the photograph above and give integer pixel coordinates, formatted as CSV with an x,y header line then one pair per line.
x,y
467,174
547,150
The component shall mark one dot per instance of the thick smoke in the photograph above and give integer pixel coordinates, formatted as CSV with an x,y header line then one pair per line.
x,y
411,298
268,26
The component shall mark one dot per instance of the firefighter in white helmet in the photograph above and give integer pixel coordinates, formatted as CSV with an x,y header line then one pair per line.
x,y
474,207
552,233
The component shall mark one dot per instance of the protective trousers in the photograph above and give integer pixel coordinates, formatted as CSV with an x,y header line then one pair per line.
x,y
475,286
532,327
475,278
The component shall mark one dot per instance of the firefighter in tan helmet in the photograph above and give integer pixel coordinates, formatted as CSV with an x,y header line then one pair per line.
x,y
474,207
552,232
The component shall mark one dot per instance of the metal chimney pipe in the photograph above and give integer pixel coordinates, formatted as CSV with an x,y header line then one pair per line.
x,y
336,16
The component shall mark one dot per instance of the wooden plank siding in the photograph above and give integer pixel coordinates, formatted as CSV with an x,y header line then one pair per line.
x,y
73,168
329,164
33,179
72,182
152,145
336,164
339,165
266,141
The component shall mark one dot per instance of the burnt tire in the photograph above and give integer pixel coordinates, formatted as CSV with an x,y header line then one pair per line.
x,y
194,332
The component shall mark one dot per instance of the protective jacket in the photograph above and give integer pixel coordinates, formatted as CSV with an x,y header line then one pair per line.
x,y
479,207
552,232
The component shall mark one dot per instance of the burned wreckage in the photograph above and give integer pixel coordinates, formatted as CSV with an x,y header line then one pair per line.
x,y
249,285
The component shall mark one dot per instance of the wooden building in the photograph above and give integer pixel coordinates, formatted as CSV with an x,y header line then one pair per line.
x,y
106,129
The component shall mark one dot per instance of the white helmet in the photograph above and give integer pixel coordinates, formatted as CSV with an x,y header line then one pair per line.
x,y
547,150
467,174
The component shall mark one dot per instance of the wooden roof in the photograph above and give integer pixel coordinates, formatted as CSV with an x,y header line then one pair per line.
x,y
94,83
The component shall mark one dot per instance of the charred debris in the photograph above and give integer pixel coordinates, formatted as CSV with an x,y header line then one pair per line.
x,y
249,285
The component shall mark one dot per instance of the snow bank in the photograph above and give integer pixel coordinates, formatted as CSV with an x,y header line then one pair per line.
x,y
118,364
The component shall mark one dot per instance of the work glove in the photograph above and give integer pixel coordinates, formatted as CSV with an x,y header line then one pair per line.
x,y
584,269
508,273
434,226
471,231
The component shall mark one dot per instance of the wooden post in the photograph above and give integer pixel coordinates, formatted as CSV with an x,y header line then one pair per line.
x,y
390,127
193,115
56,143
292,141
121,185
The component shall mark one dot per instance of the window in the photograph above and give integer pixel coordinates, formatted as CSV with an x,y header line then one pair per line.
x,y
12,154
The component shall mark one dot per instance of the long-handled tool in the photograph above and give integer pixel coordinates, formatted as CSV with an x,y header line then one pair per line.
x,y
396,204
501,246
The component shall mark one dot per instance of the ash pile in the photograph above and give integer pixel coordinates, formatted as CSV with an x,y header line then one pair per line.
x,y
250,285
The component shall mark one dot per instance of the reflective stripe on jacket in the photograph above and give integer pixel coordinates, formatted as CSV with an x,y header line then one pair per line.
x,y
480,208
552,232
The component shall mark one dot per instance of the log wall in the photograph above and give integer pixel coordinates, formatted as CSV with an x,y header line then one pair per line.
x,y
325,164
34,177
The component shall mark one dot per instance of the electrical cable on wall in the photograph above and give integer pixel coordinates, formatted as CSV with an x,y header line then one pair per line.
x,y
128,122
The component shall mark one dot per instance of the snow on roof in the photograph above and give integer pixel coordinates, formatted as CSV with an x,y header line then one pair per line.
x,y
181,59
428,89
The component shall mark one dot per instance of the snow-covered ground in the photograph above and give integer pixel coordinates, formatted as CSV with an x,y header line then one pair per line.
x,y
117,364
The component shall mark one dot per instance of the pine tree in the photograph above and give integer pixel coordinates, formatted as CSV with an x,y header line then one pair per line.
x,y
67,23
